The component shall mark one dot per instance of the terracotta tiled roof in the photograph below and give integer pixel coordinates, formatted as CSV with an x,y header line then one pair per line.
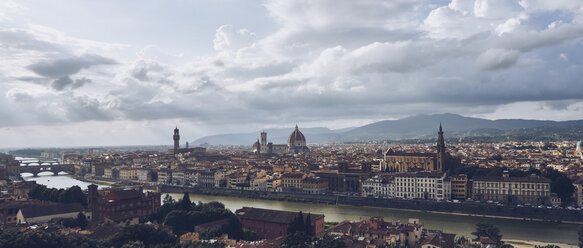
x,y
296,135
124,194
268,215
46,210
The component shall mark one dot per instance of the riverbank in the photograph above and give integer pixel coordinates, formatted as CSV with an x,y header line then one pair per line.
x,y
545,232
450,208
98,182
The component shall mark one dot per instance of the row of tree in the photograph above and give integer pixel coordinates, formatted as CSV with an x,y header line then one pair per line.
x,y
184,215
71,195
298,224
135,236
80,221
300,234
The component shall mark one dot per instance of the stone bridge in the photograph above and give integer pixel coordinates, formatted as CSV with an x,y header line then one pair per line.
x,y
54,168
37,162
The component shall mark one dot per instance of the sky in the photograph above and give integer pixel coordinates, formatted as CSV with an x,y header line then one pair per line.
x,y
109,72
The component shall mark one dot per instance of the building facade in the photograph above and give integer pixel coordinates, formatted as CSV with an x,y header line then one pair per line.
x,y
394,161
421,185
121,204
532,189
459,187
292,181
314,185
379,186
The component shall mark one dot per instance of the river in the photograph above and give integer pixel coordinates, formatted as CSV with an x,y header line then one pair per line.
x,y
61,181
463,225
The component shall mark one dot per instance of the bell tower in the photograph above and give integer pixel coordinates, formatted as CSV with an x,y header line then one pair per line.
x,y
440,150
176,138
263,142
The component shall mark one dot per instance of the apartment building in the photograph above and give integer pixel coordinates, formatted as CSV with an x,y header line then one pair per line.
x,y
533,189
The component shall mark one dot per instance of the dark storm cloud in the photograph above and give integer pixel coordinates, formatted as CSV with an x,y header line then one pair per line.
x,y
64,67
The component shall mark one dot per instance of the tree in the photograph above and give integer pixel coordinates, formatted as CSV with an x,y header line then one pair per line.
x,y
297,240
560,183
185,203
301,224
147,234
35,239
487,230
70,195
329,241
81,221
134,244
168,199
308,228
297,224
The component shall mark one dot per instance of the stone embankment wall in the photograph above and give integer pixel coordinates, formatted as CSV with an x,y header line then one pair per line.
x,y
467,208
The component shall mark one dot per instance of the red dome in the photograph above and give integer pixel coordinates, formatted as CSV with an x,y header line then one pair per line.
x,y
296,136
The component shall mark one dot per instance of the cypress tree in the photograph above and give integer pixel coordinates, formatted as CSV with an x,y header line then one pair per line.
x,y
186,204
309,229
301,225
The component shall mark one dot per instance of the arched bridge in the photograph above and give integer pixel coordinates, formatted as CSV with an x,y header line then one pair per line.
x,y
37,162
35,169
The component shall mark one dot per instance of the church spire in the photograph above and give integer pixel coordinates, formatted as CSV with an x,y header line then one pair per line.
x,y
440,140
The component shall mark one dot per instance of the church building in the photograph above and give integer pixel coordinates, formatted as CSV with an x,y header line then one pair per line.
x,y
296,143
395,161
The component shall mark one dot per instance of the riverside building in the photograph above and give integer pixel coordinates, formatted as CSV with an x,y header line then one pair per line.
x,y
532,189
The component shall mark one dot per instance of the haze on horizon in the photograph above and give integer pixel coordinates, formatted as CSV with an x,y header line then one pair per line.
x,y
94,73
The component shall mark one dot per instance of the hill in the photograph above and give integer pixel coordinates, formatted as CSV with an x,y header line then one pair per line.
x,y
423,127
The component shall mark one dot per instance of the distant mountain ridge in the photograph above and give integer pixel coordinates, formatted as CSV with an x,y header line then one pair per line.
x,y
414,127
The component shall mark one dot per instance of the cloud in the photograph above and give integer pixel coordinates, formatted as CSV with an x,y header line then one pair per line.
x,y
65,81
494,59
228,38
142,68
68,66
324,60
22,40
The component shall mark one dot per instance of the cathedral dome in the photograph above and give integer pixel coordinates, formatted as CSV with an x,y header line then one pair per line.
x,y
296,138
256,146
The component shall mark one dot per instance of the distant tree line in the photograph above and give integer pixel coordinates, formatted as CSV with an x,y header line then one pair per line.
x,y
71,195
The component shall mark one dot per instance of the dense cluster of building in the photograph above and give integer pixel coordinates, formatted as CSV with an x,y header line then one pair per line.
x,y
109,205
414,172
417,171
377,232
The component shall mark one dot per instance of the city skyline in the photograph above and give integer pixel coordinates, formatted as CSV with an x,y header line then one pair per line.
x,y
123,73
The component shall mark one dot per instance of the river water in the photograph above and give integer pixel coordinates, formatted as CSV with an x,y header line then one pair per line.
x,y
61,181
458,224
